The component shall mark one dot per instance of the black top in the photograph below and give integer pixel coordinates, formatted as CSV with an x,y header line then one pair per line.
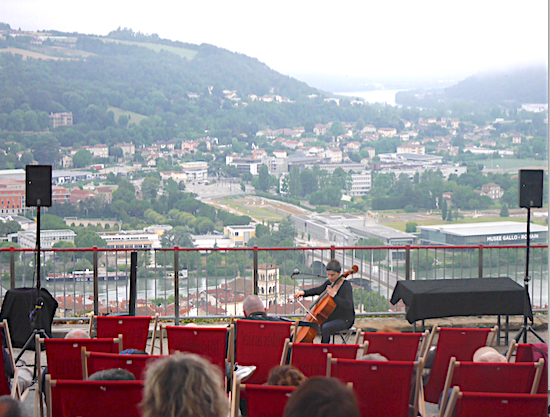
x,y
344,301
427,299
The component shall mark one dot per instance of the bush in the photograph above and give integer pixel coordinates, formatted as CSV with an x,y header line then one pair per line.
x,y
409,208
410,227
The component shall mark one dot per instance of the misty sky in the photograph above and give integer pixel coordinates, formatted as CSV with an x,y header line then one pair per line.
x,y
402,38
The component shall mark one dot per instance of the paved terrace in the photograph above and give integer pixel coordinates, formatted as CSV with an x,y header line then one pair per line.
x,y
367,324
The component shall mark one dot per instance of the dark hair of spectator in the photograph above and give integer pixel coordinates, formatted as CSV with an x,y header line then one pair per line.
x,y
334,265
286,375
115,374
10,407
322,397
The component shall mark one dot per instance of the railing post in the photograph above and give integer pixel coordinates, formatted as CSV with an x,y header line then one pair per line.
x,y
480,262
133,283
408,262
332,252
176,286
96,282
255,268
12,267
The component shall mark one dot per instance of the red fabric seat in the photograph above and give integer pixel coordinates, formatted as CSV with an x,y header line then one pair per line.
x,y
96,398
135,330
458,343
311,358
137,364
265,400
394,346
524,353
209,342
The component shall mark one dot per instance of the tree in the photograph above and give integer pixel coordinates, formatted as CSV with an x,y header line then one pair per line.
x,y
46,149
504,211
264,179
337,129
410,227
444,209
51,222
82,158
116,152
89,239
150,188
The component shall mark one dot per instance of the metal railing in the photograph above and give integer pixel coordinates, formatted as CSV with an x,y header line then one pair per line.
x,y
190,283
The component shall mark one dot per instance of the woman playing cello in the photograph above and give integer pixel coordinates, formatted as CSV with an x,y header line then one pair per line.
x,y
343,316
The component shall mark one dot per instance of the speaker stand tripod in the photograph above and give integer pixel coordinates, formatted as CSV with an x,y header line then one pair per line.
x,y
526,327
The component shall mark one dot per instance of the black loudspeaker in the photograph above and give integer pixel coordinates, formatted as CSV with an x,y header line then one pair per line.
x,y
38,186
530,188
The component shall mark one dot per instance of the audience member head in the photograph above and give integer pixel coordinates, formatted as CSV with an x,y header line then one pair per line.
x,y
10,407
183,385
286,375
489,355
253,304
322,397
77,334
334,265
115,374
373,357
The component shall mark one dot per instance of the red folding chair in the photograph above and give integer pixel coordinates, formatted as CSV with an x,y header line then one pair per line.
x,y
383,389
394,346
259,343
524,353
134,329
96,361
65,359
209,342
95,398
4,381
311,358
514,378
460,343
261,400
483,404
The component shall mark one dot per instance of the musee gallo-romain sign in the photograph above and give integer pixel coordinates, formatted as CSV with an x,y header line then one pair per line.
x,y
511,237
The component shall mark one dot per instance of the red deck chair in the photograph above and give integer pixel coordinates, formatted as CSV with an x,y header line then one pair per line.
x,y
383,389
261,400
4,382
65,359
259,343
513,378
394,346
209,342
460,343
311,358
524,353
135,330
483,404
96,361
95,398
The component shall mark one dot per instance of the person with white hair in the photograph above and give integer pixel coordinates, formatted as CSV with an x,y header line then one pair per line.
x,y
77,334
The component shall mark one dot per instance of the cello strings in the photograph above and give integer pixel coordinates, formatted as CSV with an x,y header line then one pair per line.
x,y
305,308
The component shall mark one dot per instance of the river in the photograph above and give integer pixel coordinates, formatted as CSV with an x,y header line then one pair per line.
x,y
374,96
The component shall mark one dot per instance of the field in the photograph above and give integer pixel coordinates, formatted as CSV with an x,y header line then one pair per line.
x,y
31,54
259,208
184,53
513,163
134,118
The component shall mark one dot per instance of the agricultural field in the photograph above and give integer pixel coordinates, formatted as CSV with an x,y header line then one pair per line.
x,y
133,118
182,52
259,208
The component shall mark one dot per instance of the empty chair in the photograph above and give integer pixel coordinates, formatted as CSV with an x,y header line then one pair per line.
x,y
134,329
525,352
261,400
519,378
394,346
483,404
95,398
259,343
4,382
458,343
383,389
311,358
93,362
209,342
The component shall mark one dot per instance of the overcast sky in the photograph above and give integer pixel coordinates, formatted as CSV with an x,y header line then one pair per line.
x,y
360,38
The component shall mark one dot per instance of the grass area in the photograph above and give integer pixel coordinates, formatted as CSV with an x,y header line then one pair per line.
x,y
402,224
511,163
265,213
184,53
134,118
31,54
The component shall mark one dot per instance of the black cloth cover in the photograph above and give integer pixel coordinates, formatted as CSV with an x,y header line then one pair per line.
x,y
428,299
16,308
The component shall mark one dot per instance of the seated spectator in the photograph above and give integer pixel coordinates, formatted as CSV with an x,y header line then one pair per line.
x,y
286,375
487,354
322,397
373,357
10,407
115,374
77,334
183,385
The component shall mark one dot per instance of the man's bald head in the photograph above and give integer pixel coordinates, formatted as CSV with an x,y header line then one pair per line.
x,y
253,304
77,334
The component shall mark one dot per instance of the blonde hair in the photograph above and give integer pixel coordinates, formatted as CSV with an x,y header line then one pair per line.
x,y
286,375
183,385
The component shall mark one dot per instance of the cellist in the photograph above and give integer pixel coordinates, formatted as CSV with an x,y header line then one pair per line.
x,y
343,316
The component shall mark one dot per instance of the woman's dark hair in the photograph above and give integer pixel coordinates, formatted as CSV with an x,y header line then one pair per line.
x,y
322,397
334,265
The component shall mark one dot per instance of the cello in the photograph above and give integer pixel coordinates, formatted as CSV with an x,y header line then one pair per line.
x,y
320,311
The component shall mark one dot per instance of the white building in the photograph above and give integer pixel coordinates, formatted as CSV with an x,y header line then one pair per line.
x,y
360,184
27,239
268,284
